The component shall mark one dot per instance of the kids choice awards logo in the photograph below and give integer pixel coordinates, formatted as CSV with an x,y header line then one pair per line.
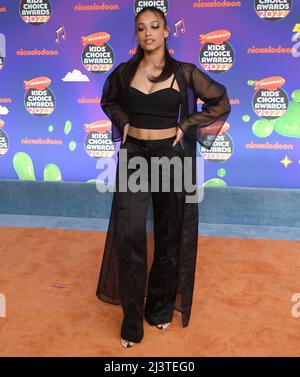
x,y
272,10
97,55
270,100
222,148
39,99
161,4
3,140
98,141
35,12
216,54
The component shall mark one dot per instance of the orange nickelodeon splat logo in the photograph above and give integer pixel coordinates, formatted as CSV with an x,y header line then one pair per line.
x,y
269,83
39,83
97,39
216,36
100,126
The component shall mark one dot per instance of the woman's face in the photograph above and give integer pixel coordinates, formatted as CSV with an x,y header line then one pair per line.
x,y
150,31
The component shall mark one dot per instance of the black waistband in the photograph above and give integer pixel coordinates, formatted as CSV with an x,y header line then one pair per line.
x,y
148,142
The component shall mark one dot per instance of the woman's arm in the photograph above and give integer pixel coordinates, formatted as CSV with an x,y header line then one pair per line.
x,y
111,104
215,109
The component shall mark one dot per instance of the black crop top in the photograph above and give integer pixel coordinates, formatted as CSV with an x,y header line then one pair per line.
x,y
156,110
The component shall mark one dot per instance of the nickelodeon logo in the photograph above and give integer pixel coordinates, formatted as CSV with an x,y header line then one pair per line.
x,y
216,4
270,50
95,7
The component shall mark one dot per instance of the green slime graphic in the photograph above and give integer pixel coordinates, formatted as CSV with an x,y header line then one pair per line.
x,y
68,127
23,166
289,123
246,118
52,173
50,128
215,182
262,128
95,181
72,145
296,95
222,172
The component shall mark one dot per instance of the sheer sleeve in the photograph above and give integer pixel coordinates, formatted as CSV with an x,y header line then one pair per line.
x,y
111,104
215,109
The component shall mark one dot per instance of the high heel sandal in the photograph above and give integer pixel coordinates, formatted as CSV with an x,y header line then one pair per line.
x,y
163,326
126,343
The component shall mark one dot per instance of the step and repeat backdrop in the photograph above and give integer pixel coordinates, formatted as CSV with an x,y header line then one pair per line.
x,y
56,54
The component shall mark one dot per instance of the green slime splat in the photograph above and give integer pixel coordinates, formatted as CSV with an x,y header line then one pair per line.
x,y
52,173
262,128
68,127
215,182
95,181
72,146
289,124
23,166
222,172
296,95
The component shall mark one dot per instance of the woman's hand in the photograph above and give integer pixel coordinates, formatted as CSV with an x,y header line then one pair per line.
x,y
125,132
179,136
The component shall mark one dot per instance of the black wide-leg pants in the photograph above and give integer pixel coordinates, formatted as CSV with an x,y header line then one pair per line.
x,y
132,205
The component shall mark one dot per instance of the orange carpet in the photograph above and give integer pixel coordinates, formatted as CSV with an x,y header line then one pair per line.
x,y
242,299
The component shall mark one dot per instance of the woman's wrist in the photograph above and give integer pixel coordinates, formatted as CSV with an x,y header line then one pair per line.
x,y
179,125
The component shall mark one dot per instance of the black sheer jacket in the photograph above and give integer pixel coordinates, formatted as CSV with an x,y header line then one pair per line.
x,y
193,84
201,126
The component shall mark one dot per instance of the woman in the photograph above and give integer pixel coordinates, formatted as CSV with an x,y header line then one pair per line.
x,y
151,101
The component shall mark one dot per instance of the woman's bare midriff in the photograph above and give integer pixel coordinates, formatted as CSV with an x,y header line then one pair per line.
x,y
143,133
